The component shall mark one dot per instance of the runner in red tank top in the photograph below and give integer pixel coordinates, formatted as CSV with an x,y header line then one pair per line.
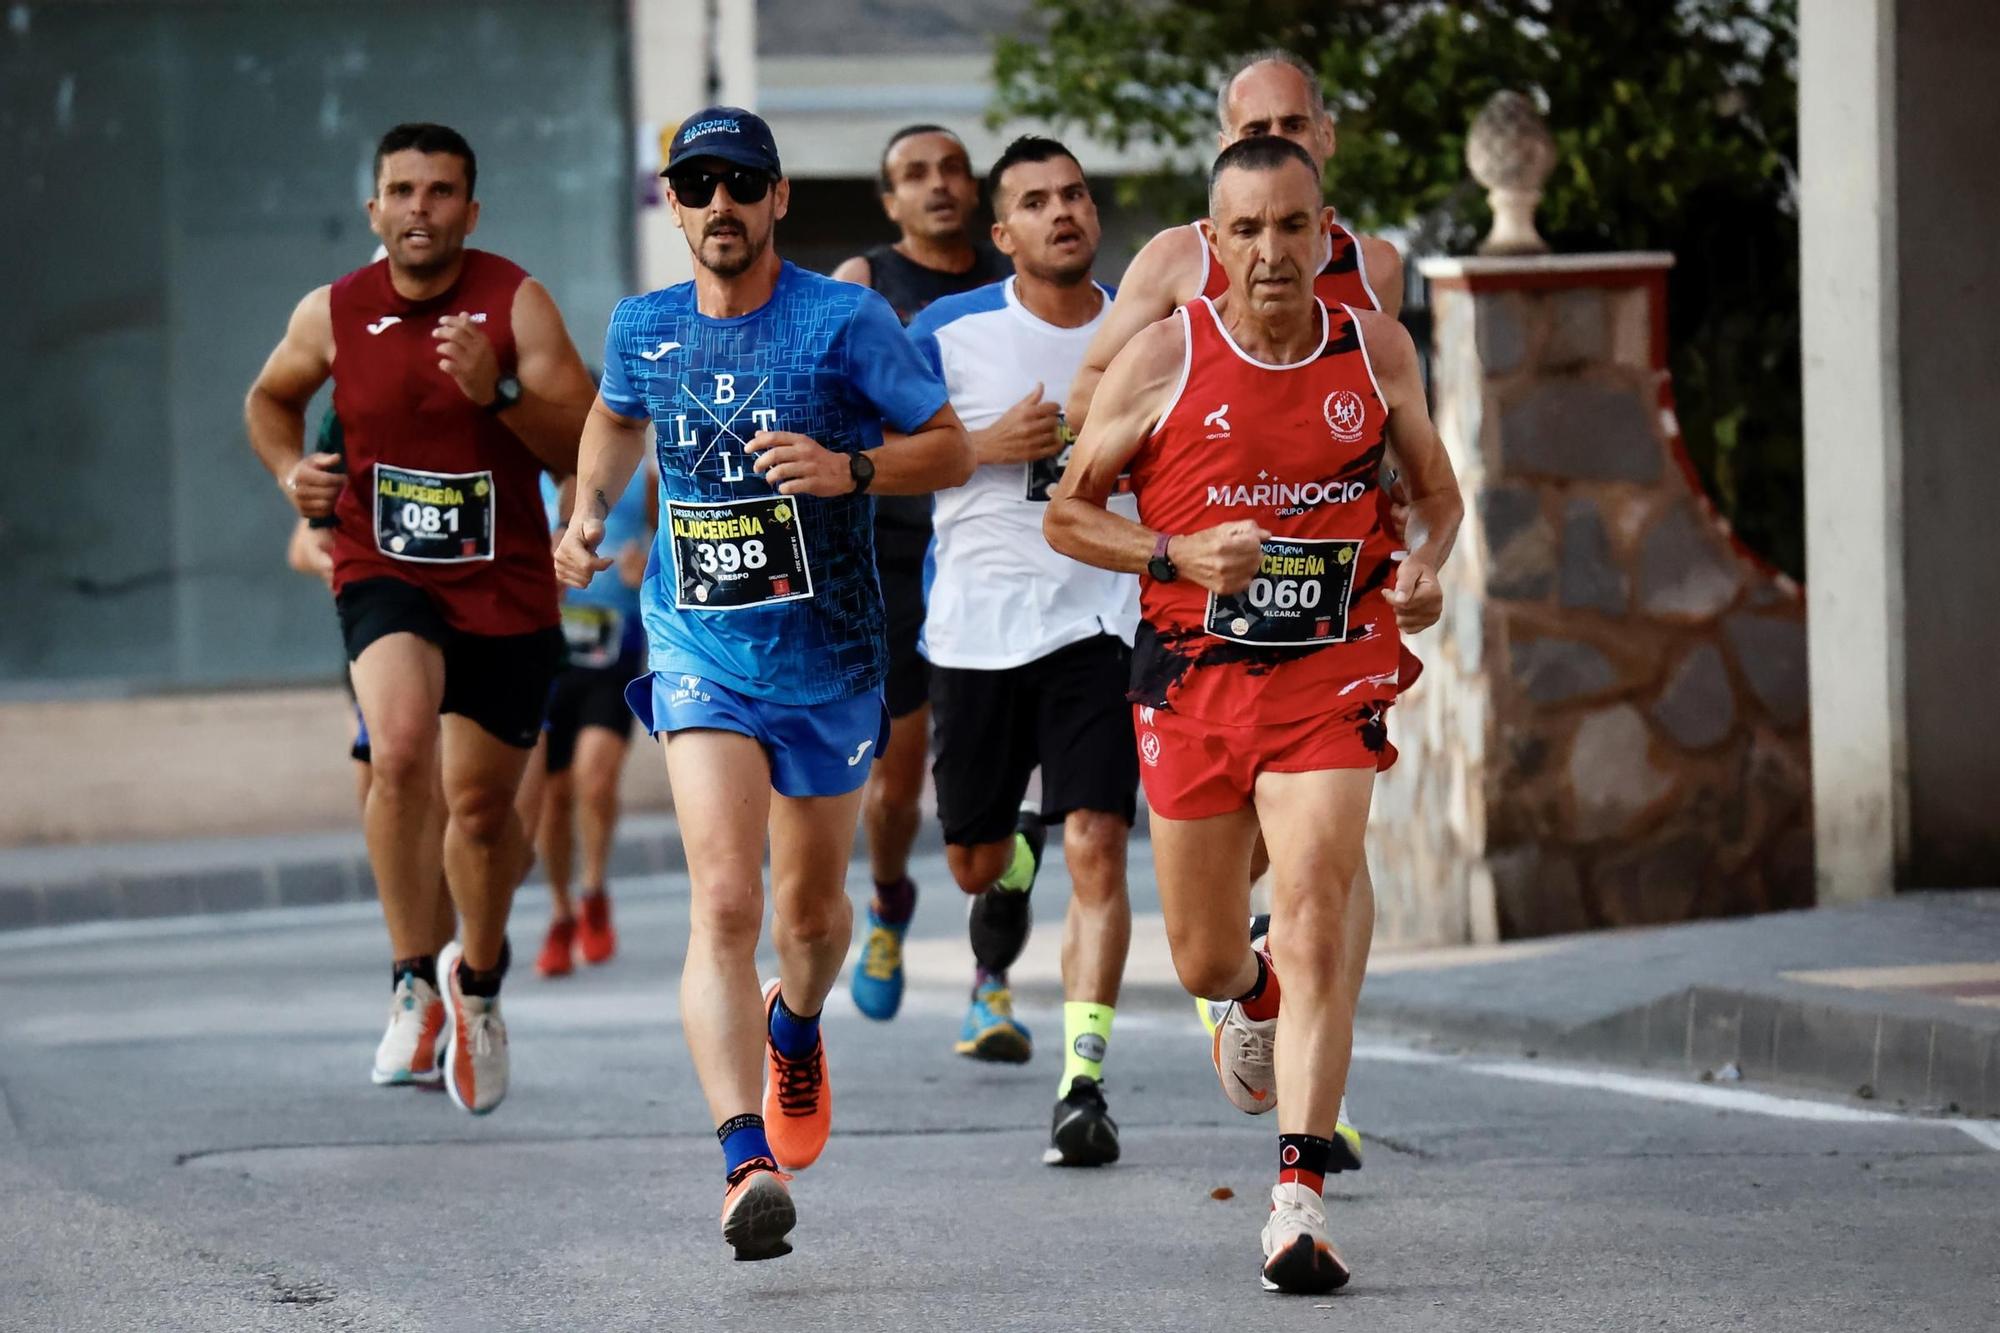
x,y
455,383
1268,93
1272,610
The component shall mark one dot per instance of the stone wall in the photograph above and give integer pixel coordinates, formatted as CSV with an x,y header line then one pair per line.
x,y
1611,726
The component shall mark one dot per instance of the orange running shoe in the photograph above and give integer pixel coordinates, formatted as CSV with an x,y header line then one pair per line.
x,y
798,1103
757,1212
557,947
595,939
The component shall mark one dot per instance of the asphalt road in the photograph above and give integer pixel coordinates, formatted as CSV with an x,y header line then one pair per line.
x,y
190,1141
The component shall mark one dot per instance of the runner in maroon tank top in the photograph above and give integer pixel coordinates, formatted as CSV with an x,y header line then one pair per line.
x,y
1272,609
455,384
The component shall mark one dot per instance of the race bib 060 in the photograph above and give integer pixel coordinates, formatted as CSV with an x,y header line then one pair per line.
x,y
729,554
440,518
1299,597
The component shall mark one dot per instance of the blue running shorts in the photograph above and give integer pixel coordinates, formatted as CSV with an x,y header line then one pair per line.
x,y
815,749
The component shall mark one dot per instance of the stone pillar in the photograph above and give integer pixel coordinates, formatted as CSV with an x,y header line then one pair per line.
x,y
1611,725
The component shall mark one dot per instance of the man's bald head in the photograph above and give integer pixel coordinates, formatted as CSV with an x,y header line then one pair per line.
x,y
1275,93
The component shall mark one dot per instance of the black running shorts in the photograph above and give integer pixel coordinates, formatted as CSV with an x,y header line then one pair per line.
x,y
500,681
590,697
899,559
1065,712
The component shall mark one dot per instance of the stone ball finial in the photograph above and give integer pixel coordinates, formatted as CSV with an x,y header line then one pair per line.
x,y
1511,153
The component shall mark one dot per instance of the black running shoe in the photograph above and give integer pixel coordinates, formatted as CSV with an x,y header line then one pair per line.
x,y
999,919
1083,1132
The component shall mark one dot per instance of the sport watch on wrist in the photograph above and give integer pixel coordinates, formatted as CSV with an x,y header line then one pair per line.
x,y
506,393
862,468
1161,566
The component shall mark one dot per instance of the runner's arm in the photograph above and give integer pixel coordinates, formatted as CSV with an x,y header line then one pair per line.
x,y
1133,396
1157,280
274,412
1436,507
856,270
556,391
608,454
1384,266
935,457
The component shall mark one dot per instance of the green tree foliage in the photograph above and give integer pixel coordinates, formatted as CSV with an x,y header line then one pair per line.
x,y
1676,128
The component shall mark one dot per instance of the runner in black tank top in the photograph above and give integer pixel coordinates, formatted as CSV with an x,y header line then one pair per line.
x,y
930,193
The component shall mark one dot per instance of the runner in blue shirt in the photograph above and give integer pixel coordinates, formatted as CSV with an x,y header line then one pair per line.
x,y
769,389
589,728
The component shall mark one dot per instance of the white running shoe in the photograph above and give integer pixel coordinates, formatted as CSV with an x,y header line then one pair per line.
x,y
1245,1052
475,1052
408,1053
1298,1257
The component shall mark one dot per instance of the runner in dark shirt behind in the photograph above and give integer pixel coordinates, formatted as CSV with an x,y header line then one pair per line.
x,y
930,193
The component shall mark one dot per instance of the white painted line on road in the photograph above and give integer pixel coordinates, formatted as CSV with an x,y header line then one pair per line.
x,y
1984,1132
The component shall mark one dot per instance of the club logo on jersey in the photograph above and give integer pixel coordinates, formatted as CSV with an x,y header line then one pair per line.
x,y
1217,423
1346,415
1149,749
379,325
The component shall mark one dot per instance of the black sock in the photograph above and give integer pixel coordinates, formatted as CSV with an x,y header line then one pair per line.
x,y
1303,1160
1256,992
424,967
484,985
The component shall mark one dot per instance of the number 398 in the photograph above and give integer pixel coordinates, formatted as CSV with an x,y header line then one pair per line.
x,y
729,557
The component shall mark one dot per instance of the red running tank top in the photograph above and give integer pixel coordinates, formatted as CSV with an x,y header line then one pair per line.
x,y
1343,281
1295,448
440,493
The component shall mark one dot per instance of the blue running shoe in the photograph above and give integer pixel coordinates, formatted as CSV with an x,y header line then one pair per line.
x,y
991,1031
877,982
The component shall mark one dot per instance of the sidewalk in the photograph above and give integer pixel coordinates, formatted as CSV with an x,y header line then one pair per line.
x,y
73,883
1898,1001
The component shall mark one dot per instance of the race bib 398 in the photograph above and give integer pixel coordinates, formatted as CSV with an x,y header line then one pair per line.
x,y
731,554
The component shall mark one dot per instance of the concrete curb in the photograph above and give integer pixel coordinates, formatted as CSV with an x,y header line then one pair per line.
x,y
1929,1064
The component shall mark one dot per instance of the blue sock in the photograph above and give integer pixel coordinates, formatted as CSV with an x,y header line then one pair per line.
x,y
742,1141
795,1037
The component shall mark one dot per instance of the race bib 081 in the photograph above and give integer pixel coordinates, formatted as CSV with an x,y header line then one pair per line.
x,y
1299,597
731,554
442,518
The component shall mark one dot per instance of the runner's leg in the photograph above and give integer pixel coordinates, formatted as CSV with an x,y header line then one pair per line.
x,y
399,680
1202,867
895,785
1315,823
812,922
557,839
721,783
485,845
598,770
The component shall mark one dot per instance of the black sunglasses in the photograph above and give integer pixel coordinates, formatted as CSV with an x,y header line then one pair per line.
x,y
696,188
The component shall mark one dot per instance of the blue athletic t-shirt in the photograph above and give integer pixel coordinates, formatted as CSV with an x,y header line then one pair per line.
x,y
773,596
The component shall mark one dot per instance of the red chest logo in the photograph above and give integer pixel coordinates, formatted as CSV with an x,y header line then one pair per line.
x,y
1346,415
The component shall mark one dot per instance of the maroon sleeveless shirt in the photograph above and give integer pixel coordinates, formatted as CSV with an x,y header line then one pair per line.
x,y
440,493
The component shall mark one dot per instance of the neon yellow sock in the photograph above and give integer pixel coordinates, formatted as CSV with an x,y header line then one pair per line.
x,y
1020,873
1086,1033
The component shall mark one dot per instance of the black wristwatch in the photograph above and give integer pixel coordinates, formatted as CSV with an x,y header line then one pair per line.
x,y
862,468
1161,566
506,393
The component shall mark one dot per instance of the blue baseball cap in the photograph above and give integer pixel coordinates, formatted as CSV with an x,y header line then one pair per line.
x,y
727,132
